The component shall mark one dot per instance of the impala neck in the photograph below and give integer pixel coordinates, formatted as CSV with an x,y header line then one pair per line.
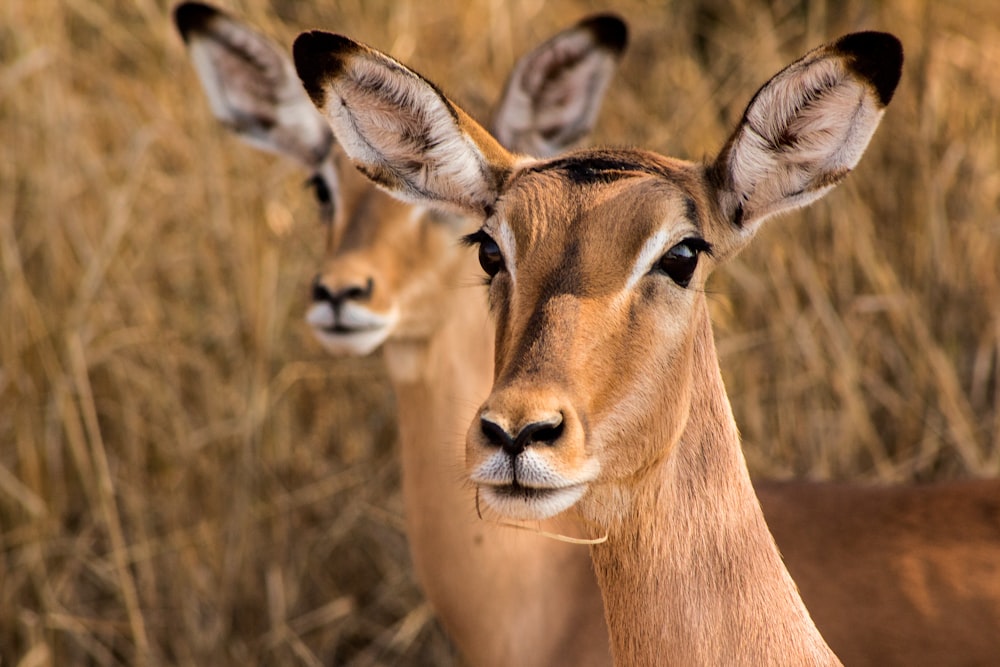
x,y
436,394
691,575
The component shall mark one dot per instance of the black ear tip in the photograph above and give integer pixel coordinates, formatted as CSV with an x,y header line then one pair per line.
x,y
877,56
319,55
321,47
309,44
192,16
609,30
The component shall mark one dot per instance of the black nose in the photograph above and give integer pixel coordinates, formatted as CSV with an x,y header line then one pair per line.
x,y
545,432
335,298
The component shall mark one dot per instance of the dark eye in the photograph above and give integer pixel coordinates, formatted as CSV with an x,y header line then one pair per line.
x,y
320,188
680,261
324,197
489,256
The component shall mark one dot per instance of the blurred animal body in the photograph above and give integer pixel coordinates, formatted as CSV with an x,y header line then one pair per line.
x,y
903,574
607,396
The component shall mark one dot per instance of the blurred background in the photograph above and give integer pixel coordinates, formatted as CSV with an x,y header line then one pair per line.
x,y
185,478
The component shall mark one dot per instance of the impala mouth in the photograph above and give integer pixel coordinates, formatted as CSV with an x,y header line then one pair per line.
x,y
344,330
350,330
528,487
527,503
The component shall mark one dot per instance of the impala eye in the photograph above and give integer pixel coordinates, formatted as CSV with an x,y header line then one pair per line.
x,y
490,257
324,197
679,262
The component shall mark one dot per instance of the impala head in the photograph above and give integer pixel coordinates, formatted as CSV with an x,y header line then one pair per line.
x,y
385,261
597,260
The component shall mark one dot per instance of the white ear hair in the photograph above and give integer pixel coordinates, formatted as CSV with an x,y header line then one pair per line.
x,y
554,93
252,87
399,129
806,128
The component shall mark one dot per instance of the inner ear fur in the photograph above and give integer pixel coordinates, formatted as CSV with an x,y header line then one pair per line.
x,y
252,87
805,130
398,128
554,93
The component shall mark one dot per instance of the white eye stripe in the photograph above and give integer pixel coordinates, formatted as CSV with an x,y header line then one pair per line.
x,y
505,239
654,246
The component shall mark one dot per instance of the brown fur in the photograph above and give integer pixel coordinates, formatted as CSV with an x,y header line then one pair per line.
x,y
687,540
895,575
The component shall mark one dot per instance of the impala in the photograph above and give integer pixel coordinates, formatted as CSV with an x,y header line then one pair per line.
x,y
393,276
607,397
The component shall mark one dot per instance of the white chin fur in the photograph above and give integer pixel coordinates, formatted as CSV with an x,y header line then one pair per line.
x,y
541,504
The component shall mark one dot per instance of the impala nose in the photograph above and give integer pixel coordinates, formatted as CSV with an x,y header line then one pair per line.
x,y
546,431
337,297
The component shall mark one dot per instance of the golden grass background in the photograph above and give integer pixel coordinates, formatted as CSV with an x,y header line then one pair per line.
x,y
186,479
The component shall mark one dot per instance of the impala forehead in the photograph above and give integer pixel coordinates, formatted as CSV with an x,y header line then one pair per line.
x,y
591,235
380,223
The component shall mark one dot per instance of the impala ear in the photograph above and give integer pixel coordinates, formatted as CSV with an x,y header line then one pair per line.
x,y
400,130
554,93
252,87
806,129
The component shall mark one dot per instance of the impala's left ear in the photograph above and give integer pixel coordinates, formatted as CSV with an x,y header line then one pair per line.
x,y
554,93
251,85
805,130
398,128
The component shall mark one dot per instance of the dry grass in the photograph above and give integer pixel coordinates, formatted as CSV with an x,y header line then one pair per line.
x,y
186,479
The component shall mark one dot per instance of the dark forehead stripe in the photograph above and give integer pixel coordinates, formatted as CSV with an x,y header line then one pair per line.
x,y
602,167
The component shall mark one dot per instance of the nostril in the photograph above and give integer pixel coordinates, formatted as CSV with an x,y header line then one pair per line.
x,y
495,434
356,293
545,432
320,292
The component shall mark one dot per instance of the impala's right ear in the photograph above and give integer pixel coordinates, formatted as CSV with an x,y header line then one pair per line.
x,y
399,129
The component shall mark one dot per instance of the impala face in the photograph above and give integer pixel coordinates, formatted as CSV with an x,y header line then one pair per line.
x,y
596,263
383,269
